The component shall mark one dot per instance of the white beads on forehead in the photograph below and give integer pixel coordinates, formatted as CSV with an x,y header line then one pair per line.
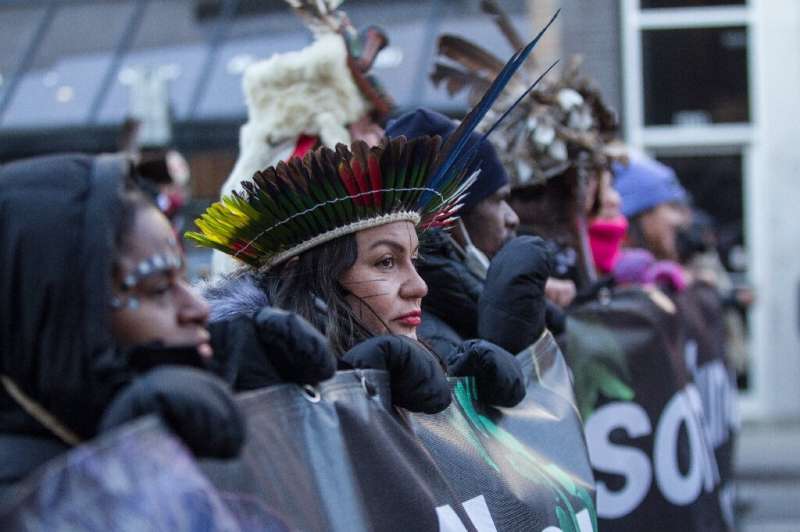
x,y
156,263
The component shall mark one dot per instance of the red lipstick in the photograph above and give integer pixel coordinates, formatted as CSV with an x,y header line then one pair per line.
x,y
412,319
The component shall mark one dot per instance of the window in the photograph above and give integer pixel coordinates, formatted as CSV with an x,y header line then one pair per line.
x,y
695,76
647,4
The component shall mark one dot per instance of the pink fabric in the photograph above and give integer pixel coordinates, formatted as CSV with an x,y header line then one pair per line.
x,y
605,239
638,266
668,274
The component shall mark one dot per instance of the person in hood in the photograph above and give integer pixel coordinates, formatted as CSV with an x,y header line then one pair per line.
x,y
97,323
456,264
90,269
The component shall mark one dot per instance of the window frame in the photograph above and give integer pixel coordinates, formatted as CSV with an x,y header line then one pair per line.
x,y
636,20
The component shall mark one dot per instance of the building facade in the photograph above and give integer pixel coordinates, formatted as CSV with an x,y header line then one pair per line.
x,y
708,87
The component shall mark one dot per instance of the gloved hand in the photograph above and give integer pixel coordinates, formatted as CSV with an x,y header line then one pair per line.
x,y
143,358
511,309
498,374
197,406
556,318
272,347
418,380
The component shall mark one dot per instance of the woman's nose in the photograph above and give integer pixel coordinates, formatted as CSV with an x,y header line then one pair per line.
x,y
194,308
612,202
512,220
414,287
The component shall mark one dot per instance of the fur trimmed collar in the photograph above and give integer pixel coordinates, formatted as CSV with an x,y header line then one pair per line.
x,y
233,296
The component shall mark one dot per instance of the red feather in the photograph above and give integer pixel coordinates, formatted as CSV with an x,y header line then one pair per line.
x,y
374,164
359,166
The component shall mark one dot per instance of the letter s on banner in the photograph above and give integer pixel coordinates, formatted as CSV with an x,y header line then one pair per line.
x,y
629,462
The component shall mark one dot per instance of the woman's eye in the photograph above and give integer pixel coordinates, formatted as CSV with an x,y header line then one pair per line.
x,y
159,289
386,263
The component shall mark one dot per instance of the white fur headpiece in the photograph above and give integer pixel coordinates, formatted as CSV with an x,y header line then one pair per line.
x,y
310,91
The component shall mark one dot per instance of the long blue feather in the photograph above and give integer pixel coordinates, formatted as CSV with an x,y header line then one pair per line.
x,y
519,99
473,151
453,151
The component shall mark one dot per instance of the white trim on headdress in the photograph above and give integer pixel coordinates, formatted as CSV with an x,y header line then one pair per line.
x,y
360,225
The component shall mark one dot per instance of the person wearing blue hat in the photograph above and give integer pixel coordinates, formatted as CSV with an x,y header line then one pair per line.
x,y
654,202
470,270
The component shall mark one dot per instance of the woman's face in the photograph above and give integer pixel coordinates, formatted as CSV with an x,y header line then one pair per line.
x,y
600,191
384,289
660,227
610,200
152,300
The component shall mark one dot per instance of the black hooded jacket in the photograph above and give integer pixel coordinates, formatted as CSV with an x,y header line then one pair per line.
x,y
58,217
450,310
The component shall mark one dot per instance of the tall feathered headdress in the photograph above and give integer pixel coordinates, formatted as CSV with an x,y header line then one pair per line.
x,y
562,123
292,207
323,17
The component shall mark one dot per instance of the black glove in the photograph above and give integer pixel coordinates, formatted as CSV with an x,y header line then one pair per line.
x,y
418,380
143,358
556,318
498,374
197,406
511,309
272,347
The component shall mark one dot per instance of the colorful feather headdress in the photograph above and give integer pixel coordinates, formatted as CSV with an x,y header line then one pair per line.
x,y
561,124
295,206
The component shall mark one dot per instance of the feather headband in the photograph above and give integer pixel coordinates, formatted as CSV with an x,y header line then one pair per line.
x,y
296,205
292,207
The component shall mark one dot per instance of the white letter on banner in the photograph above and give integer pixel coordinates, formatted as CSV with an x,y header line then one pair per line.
x,y
710,468
677,488
629,462
448,520
476,509
479,514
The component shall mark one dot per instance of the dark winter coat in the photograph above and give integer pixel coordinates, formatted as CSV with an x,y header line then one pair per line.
x,y
507,307
450,310
58,217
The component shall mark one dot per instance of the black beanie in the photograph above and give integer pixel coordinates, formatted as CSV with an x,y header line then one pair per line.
x,y
425,122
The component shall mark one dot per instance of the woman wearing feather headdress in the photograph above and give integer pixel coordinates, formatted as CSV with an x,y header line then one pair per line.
x,y
333,236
